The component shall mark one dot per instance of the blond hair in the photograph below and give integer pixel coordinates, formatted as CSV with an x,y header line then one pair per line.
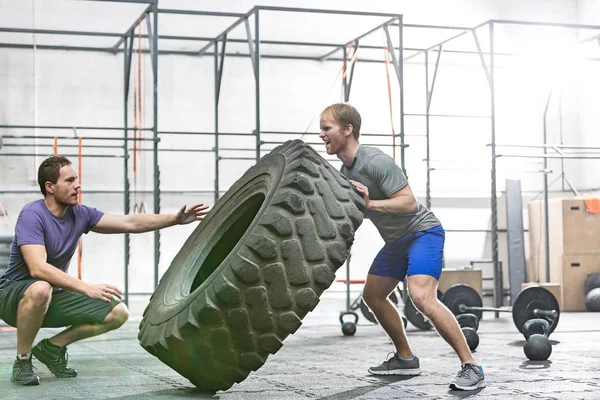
x,y
344,114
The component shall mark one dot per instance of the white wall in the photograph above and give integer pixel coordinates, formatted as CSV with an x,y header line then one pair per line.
x,y
85,88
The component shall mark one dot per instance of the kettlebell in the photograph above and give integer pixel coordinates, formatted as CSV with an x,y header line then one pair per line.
x,y
537,346
348,327
469,323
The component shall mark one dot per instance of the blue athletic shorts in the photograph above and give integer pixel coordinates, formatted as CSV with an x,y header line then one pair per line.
x,y
413,254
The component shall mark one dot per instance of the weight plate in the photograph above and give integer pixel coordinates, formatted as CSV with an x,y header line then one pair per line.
x,y
462,294
414,316
531,298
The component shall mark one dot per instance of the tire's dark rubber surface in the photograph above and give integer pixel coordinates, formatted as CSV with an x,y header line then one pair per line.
x,y
253,268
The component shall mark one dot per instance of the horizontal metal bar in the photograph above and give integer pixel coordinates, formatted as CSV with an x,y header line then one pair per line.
x,y
118,191
204,133
271,42
238,158
446,115
184,150
325,11
541,146
55,47
457,28
81,128
316,133
75,138
131,1
60,32
66,155
474,230
99,146
582,157
463,308
182,53
321,143
547,24
204,13
537,171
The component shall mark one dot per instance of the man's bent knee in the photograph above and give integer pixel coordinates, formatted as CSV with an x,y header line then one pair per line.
x,y
117,317
38,294
423,299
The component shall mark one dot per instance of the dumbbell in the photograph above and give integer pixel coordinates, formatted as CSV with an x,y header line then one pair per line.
x,y
537,346
469,323
592,292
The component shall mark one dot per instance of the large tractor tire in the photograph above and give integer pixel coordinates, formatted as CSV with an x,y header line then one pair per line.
x,y
253,268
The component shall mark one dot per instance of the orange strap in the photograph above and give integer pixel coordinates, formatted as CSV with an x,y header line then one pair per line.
x,y
386,57
55,146
354,55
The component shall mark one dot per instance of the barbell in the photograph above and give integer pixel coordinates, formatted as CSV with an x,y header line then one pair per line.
x,y
531,302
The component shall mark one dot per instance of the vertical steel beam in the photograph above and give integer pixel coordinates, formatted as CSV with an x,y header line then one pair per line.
x,y
219,63
546,217
498,278
401,83
427,143
154,45
428,98
257,79
127,53
217,88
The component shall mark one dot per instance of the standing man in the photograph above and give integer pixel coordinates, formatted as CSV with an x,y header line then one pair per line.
x,y
36,291
414,247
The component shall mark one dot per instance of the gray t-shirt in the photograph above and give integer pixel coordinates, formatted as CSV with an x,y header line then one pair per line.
x,y
380,173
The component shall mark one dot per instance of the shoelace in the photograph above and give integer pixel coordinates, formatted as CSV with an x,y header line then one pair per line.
x,y
464,372
27,366
63,358
388,358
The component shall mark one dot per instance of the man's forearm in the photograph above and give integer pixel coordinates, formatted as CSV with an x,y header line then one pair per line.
x,y
58,278
150,222
397,205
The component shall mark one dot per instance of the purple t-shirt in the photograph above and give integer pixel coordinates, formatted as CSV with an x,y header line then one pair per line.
x,y
60,235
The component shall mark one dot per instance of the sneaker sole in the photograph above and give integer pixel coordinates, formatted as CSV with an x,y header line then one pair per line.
x,y
36,353
33,382
414,372
479,385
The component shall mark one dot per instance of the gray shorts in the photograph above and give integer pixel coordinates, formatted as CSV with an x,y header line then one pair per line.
x,y
66,308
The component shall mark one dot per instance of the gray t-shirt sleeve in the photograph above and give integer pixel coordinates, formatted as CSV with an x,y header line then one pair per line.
x,y
388,175
29,228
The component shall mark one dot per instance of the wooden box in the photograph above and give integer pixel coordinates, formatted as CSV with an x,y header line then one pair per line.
x,y
554,288
467,276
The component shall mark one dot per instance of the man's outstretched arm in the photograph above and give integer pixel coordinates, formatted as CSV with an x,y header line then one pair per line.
x,y
140,223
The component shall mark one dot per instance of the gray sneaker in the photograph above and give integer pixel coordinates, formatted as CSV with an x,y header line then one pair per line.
x,y
470,377
397,366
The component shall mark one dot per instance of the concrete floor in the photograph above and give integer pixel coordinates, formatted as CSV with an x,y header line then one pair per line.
x,y
318,362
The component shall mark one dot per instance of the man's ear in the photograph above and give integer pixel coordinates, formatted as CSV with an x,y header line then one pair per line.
x,y
49,188
349,130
